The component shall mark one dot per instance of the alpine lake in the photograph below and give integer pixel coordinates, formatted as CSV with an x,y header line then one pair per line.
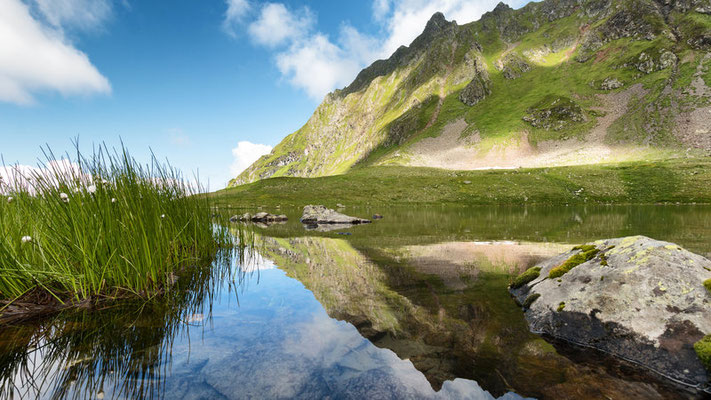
x,y
414,305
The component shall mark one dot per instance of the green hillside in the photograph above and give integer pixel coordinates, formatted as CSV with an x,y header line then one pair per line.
x,y
555,83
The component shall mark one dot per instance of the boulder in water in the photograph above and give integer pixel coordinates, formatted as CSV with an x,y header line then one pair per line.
x,y
322,215
637,298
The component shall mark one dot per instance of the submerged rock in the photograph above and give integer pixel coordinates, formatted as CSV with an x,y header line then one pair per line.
x,y
637,298
322,215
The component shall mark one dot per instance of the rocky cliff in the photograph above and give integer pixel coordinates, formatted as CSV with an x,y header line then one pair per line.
x,y
558,82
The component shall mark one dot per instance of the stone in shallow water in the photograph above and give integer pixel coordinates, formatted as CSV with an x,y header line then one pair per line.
x,y
322,215
638,298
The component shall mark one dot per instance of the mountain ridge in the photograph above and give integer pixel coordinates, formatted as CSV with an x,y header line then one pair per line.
x,y
537,86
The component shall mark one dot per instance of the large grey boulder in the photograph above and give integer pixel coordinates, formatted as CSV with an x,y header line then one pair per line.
x,y
637,298
322,215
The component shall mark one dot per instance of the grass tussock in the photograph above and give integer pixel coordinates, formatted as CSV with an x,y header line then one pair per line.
x,y
99,226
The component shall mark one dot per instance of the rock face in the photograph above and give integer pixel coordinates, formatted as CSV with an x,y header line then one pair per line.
x,y
322,215
637,298
513,67
475,91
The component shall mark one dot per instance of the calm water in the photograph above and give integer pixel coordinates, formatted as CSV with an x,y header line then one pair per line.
x,y
411,306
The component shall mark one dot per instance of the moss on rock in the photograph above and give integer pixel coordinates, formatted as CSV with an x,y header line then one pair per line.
x,y
703,350
707,285
527,276
561,306
587,253
530,299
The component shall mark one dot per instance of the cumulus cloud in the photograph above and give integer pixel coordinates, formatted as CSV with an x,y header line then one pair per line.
x,y
277,25
35,57
236,11
317,65
245,154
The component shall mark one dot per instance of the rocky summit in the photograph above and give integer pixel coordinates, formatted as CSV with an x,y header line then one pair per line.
x,y
554,83
637,298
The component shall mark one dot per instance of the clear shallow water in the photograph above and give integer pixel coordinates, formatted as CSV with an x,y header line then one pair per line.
x,y
413,306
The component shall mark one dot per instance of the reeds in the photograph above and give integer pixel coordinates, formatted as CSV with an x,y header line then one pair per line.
x,y
100,226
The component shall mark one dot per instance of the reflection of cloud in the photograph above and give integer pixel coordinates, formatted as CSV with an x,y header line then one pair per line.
x,y
347,359
254,261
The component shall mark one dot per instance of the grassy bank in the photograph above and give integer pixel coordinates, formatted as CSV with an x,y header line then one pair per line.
x,y
103,226
683,181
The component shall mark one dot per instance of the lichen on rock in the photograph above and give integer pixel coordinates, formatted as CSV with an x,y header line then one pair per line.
x,y
644,301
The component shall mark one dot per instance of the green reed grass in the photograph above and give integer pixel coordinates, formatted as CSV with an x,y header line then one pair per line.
x,y
104,225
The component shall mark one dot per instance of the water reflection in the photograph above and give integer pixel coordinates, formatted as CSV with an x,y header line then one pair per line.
x,y
413,306
120,350
444,307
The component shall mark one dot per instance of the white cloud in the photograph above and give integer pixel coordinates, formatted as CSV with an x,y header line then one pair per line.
x,y
236,11
36,58
81,14
317,66
245,154
380,9
277,25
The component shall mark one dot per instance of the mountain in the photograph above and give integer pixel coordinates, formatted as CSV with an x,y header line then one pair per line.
x,y
559,82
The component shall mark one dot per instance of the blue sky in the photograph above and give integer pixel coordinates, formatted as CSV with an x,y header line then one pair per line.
x,y
208,84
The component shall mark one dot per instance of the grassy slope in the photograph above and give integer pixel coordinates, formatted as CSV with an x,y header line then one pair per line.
x,y
685,181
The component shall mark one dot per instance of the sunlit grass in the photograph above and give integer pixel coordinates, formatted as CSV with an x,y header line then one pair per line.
x,y
103,225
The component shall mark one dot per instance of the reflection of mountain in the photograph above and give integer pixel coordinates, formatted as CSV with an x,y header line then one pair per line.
x,y
445,308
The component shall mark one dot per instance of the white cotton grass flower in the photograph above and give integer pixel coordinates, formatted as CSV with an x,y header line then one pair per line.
x,y
64,197
91,189
113,199
26,239
162,215
10,199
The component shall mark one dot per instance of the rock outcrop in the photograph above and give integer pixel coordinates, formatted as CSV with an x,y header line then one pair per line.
x,y
639,299
611,84
554,114
314,215
475,91
513,66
